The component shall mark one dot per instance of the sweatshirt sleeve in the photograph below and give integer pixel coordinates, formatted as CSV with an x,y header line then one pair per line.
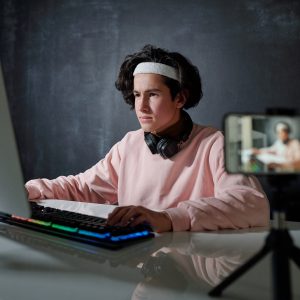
x,y
97,184
238,200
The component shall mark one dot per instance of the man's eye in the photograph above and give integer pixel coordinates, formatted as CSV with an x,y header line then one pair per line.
x,y
153,95
136,95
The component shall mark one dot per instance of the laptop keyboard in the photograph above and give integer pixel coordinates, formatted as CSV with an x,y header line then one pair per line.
x,y
80,227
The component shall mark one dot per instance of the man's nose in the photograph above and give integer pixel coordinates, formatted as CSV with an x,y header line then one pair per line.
x,y
144,104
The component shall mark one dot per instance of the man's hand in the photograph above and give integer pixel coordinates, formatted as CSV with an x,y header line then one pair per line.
x,y
134,215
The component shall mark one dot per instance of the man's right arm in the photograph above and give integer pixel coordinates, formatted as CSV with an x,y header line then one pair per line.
x,y
97,184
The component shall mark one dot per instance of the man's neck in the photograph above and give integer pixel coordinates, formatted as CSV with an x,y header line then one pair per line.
x,y
174,131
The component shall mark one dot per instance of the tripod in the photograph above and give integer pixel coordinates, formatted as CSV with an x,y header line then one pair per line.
x,y
279,243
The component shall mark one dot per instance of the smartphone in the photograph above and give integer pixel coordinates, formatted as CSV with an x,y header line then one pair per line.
x,y
262,144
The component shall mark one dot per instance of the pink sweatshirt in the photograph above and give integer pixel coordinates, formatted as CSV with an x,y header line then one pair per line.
x,y
192,186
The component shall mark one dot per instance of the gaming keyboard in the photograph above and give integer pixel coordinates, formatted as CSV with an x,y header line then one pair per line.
x,y
80,227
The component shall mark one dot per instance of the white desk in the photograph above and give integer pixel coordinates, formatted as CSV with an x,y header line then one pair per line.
x,y
172,266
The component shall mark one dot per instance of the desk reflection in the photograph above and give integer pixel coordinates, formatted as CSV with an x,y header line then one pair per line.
x,y
203,260
166,266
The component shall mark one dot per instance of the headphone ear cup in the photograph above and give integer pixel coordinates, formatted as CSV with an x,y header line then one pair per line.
x,y
151,142
167,147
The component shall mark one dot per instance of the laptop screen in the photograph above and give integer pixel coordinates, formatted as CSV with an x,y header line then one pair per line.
x,y
13,198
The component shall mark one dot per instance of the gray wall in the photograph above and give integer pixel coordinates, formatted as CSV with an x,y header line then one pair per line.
x,y
61,59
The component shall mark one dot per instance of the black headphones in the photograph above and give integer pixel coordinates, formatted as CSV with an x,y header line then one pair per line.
x,y
168,147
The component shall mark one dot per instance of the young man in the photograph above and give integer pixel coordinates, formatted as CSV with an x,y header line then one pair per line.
x,y
170,173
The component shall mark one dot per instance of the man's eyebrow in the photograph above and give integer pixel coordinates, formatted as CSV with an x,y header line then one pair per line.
x,y
148,91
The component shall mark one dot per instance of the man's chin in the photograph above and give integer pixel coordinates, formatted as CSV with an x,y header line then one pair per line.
x,y
147,128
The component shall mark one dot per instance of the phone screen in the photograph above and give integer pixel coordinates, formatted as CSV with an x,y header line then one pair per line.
x,y
262,144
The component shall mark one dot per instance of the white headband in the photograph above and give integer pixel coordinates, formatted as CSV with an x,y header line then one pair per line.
x,y
156,68
282,126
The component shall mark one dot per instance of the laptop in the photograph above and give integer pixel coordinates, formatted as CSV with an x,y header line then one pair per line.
x,y
16,210
13,199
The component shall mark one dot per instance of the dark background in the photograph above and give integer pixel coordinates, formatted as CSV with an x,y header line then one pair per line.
x,y
61,59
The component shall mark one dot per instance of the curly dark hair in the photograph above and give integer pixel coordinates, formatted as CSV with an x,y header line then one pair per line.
x,y
190,79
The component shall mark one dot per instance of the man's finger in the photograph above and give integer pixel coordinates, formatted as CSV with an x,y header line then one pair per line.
x,y
130,216
117,215
138,220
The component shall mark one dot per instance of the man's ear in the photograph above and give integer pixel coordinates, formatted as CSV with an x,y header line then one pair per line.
x,y
181,98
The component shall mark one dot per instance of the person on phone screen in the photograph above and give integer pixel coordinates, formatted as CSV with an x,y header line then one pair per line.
x,y
285,148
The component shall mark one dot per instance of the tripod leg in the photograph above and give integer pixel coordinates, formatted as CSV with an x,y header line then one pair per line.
x,y
217,291
281,274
